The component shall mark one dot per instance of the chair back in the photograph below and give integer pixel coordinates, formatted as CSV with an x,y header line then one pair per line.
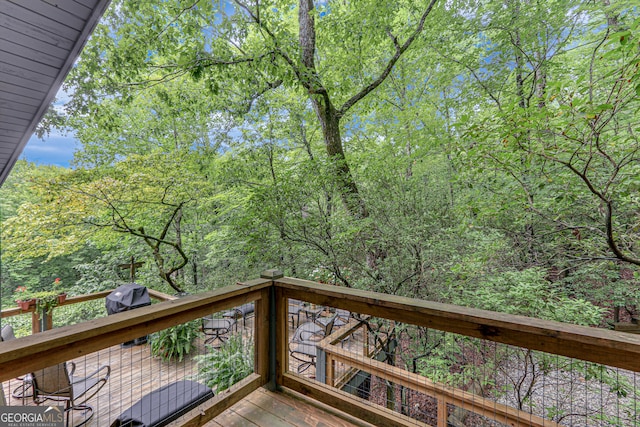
x,y
6,333
52,382
328,326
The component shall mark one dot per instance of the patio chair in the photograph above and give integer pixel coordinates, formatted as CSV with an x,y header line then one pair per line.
x,y
295,306
244,311
23,391
316,330
58,383
217,330
304,352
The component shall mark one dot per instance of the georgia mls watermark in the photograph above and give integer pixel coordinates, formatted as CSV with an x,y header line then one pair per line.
x,y
31,416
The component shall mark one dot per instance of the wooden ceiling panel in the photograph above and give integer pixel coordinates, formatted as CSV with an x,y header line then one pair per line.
x,y
81,9
34,32
10,133
28,64
12,70
55,13
14,125
16,99
8,113
18,81
24,91
23,41
22,12
39,43
17,106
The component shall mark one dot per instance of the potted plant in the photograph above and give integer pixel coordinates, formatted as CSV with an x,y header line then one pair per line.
x,y
46,301
24,300
41,300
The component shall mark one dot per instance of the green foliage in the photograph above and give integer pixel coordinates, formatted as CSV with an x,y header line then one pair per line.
x,y
494,166
76,313
46,301
528,293
175,342
223,367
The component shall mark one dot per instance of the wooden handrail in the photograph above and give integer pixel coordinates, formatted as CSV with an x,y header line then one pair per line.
x,y
38,351
443,393
612,348
16,311
48,321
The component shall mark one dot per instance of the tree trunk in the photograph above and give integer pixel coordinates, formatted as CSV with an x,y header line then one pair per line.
x,y
529,232
327,114
178,227
330,123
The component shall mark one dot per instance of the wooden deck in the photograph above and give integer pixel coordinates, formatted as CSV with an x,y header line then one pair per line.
x,y
264,408
134,373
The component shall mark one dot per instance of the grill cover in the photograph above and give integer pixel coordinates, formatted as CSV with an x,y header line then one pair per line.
x,y
127,297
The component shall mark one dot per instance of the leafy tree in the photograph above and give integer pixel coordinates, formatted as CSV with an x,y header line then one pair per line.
x,y
130,198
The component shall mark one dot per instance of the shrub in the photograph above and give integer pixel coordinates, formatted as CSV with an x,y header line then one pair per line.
x,y
175,342
223,367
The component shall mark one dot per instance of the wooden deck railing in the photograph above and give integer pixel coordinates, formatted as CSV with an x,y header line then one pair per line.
x,y
37,351
270,293
44,321
330,354
606,347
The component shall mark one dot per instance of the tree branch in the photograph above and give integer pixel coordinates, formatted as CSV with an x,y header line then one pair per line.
x,y
400,49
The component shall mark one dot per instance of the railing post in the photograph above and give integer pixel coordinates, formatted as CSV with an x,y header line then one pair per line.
x,y
442,411
321,365
274,328
330,373
41,321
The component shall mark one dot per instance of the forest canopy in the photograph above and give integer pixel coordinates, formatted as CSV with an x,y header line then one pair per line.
x,y
456,151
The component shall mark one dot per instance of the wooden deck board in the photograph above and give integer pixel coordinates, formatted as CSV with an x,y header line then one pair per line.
x,y
264,408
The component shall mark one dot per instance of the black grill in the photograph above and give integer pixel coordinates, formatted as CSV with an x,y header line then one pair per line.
x,y
128,297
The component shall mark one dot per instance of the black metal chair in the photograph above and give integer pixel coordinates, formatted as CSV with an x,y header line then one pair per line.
x,y
302,346
303,352
295,306
244,311
58,383
315,330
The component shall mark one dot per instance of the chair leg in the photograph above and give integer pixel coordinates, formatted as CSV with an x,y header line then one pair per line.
x,y
83,407
23,391
217,336
305,365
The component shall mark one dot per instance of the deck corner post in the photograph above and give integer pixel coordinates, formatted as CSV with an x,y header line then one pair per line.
x,y
272,274
273,336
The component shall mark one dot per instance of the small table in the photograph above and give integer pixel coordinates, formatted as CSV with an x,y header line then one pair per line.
x,y
312,311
